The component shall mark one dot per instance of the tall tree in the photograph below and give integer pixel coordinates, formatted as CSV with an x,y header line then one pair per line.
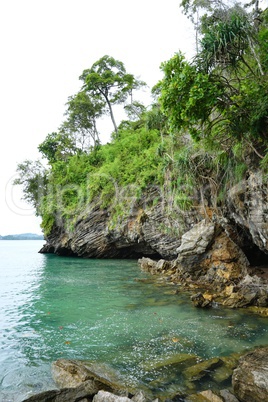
x,y
108,78
82,113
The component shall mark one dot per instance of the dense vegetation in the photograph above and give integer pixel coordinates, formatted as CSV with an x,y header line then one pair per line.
x,y
206,129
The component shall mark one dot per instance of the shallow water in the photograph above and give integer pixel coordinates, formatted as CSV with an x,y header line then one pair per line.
x,y
103,310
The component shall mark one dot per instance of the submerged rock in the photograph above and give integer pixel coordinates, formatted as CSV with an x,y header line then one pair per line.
x,y
180,359
225,371
202,369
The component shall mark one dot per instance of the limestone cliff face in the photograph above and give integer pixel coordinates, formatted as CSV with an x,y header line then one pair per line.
x,y
247,205
154,227
143,232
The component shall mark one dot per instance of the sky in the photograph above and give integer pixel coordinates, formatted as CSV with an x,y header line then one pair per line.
x,y
44,47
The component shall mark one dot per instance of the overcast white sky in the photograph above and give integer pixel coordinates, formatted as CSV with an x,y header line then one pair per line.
x,y
45,45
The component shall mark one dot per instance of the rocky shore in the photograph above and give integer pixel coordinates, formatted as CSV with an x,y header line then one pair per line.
x,y
213,267
219,255
87,381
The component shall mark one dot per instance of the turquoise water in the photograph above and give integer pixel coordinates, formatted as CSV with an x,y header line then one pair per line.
x,y
104,310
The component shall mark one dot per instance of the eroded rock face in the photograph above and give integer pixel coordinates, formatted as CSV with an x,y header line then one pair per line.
x,y
250,378
247,206
146,229
143,233
197,240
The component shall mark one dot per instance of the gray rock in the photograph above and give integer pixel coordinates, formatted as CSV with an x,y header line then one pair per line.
x,y
250,378
71,373
247,204
197,240
104,396
139,397
84,390
228,396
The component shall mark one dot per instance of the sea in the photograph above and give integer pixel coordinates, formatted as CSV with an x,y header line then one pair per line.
x,y
105,311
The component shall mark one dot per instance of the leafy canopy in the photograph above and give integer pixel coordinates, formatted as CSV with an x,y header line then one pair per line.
x,y
108,78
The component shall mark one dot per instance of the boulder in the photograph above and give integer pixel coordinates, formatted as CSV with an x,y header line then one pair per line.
x,y
204,396
250,378
104,396
200,301
71,373
86,390
211,396
228,396
196,240
154,267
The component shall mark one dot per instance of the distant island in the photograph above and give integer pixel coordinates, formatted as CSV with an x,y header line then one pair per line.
x,y
22,236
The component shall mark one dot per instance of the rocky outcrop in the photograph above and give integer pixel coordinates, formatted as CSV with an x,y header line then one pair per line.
x,y
250,378
208,258
154,226
205,247
142,233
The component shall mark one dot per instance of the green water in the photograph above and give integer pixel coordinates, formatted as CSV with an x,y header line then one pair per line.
x,y
102,310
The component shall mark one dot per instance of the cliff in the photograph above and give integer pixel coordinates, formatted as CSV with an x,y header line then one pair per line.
x,y
211,246
149,228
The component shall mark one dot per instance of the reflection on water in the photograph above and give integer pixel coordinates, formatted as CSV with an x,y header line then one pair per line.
x,y
55,307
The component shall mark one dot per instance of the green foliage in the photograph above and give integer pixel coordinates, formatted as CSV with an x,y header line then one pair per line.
x,y
188,96
32,176
226,38
205,130
222,96
57,146
107,78
82,113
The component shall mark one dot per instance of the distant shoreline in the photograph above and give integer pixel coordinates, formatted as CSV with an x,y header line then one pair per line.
x,y
22,236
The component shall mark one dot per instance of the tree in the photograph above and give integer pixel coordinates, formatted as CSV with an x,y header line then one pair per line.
x,y
58,146
82,113
188,96
108,78
33,178
222,95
